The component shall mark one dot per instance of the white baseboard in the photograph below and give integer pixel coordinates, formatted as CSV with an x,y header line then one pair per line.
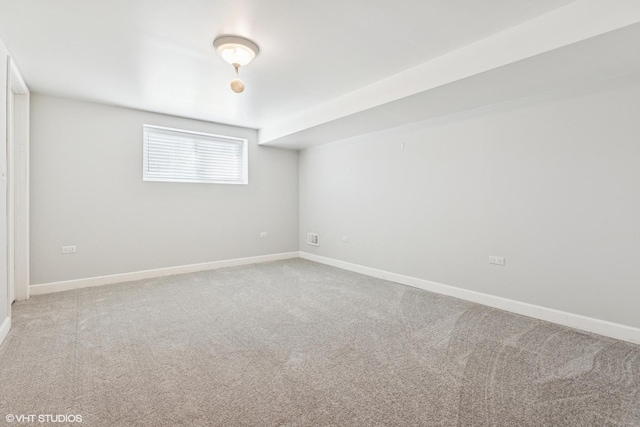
x,y
4,329
589,324
67,285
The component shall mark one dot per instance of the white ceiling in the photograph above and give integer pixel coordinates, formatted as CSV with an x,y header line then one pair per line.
x,y
156,55
580,64
586,41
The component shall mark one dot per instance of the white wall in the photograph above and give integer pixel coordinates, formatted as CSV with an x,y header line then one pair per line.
x,y
4,58
87,190
551,183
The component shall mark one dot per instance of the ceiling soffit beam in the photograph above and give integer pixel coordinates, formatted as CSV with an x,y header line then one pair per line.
x,y
570,24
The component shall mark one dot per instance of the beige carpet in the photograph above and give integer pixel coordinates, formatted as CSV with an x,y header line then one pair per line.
x,y
295,343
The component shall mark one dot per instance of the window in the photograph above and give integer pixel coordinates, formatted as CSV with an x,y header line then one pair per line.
x,y
174,155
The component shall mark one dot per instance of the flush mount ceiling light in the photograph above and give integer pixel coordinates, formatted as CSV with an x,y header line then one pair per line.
x,y
238,52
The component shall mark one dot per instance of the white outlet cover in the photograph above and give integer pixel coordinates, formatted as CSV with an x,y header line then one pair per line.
x,y
496,260
68,249
264,234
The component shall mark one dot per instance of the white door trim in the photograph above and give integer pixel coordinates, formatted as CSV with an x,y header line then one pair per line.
x,y
7,175
5,326
18,184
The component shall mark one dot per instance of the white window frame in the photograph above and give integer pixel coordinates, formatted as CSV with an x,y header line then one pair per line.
x,y
145,164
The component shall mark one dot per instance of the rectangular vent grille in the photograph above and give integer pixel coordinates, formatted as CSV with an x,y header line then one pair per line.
x,y
313,239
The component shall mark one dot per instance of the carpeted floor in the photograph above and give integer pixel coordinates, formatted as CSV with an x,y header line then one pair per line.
x,y
295,343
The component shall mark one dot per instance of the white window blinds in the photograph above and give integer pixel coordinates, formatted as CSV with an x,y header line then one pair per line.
x,y
175,155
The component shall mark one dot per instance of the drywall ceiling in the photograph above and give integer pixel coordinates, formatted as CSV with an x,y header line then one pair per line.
x,y
586,41
156,55
578,64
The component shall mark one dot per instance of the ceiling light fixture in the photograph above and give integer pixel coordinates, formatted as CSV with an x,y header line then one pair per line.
x,y
238,52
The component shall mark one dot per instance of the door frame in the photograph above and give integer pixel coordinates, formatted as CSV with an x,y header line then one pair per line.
x,y
17,182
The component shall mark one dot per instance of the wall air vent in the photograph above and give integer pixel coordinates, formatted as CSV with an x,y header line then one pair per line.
x,y
313,239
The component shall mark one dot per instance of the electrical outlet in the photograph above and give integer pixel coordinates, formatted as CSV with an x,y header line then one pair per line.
x,y
497,260
263,235
68,249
